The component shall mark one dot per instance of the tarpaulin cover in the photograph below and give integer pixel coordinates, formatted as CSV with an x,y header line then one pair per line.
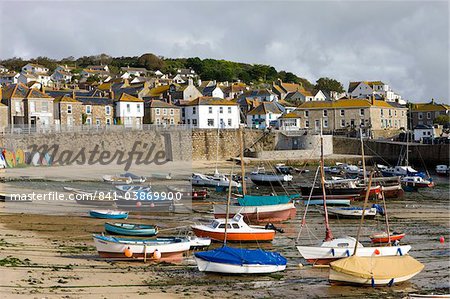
x,y
238,256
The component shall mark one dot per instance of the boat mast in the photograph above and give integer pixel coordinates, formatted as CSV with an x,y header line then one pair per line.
x,y
328,234
241,153
217,143
228,207
386,218
407,139
362,155
366,199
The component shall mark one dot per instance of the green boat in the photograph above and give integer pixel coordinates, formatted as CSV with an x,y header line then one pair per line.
x,y
131,229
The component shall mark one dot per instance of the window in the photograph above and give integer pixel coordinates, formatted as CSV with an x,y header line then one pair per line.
x,y
395,112
194,110
171,112
97,121
229,122
390,112
172,121
210,110
158,121
183,112
342,112
307,124
306,113
164,111
189,121
361,112
18,107
220,109
69,109
342,123
382,112
88,109
108,110
325,113
235,225
157,111
317,123
229,109
88,121
352,122
210,122
361,121
222,123
420,115
325,123
108,121
44,107
138,106
194,122
428,115
403,113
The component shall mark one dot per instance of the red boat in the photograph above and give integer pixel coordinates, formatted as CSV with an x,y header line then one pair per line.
x,y
384,238
394,191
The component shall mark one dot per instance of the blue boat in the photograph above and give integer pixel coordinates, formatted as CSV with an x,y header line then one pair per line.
x,y
330,202
265,200
131,229
108,214
240,261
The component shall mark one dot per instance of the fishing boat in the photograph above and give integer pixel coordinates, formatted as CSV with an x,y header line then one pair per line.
x,y
165,249
131,229
117,179
384,237
133,188
261,177
259,214
442,170
351,212
239,261
416,182
400,171
108,214
374,270
217,179
237,231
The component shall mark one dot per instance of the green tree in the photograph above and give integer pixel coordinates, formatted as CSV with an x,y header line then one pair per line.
x,y
151,62
328,84
442,119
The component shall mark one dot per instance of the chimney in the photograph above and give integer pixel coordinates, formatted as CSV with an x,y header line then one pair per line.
x,y
111,94
373,100
190,81
1,93
73,94
432,101
42,88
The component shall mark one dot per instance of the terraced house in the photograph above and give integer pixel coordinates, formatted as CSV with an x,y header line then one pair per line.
x,y
377,118
97,110
425,113
68,111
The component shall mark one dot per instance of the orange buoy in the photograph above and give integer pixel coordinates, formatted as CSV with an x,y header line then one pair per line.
x,y
442,240
128,252
156,254
377,252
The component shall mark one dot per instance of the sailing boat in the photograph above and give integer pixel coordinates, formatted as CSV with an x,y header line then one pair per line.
x,y
237,260
257,208
373,270
332,249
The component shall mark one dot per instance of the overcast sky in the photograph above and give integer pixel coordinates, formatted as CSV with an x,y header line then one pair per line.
x,y
404,44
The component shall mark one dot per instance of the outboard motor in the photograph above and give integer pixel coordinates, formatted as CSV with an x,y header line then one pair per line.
x,y
271,226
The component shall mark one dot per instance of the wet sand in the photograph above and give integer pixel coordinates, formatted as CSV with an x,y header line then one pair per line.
x,y
46,250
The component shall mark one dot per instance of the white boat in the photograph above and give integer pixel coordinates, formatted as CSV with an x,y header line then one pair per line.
x,y
416,182
216,180
352,169
266,213
260,177
133,188
197,242
428,296
124,248
208,266
374,270
117,179
400,171
351,212
343,247
442,170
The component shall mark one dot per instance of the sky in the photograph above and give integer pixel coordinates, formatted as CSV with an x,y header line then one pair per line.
x,y
402,43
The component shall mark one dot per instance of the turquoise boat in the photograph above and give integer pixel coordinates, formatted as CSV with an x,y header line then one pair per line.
x,y
265,200
131,229
108,214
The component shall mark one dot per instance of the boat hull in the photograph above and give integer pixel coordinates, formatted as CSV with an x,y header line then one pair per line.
x,y
259,214
320,255
100,215
384,239
236,236
118,230
208,266
330,202
370,213
336,277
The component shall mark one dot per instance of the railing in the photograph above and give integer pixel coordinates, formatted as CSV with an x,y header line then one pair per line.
x,y
42,129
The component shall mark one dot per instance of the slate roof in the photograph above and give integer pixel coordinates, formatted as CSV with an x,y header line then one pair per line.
x,y
423,107
65,99
160,104
265,108
210,101
95,101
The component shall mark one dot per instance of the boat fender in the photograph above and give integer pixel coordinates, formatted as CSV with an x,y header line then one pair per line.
x,y
128,252
373,282
376,252
347,252
399,251
332,251
391,282
156,254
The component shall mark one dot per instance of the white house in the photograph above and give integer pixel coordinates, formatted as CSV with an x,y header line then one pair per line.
x,y
41,78
213,91
367,89
61,76
211,113
132,71
290,121
34,68
129,110
264,115
3,69
9,78
426,131
319,96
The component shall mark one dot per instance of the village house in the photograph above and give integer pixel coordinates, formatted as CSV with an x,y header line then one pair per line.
x,y
211,113
213,91
9,78
264,115
425,113
161,113
27,106
97,110
184,93
376,117
183,75
129,111
367,89
42,78
61,76
3,69
34,68
67,111
282,89
422,132
234,90
127,72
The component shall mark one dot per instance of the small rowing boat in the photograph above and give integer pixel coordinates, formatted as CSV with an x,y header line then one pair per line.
x,y
329,202
131,229
351,212
108,214
385,238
